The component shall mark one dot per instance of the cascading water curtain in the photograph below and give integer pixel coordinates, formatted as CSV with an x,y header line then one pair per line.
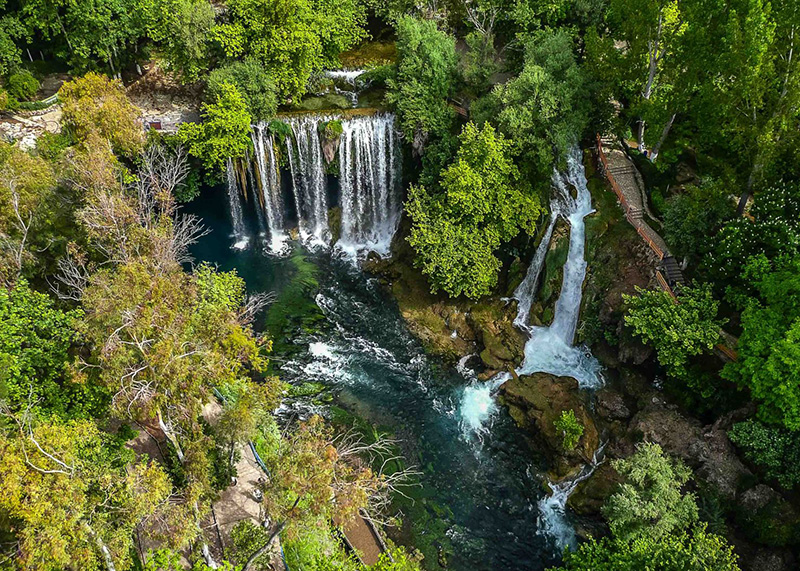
x,y
369,167
269,185
236,211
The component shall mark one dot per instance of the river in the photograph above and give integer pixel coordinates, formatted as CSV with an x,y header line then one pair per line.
x,y
482,502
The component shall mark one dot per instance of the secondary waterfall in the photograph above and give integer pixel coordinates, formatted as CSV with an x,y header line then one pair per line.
x,y
369,182
549,349
235,201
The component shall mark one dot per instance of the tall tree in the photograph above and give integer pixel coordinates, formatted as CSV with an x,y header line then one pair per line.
x,y
74,495
483,201
425,79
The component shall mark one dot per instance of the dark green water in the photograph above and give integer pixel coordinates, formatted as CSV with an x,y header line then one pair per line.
x,y
334,325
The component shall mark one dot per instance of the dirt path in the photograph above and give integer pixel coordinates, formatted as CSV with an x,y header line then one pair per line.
x,y
363,540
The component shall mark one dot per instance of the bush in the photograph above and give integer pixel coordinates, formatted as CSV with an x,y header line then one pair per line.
x,y
22,85
331,129
774,450
571,429
252,81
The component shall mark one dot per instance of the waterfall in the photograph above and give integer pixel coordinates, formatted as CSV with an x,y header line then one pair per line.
x,y
548,349
553,520
235,201
269,184
369,184
526,291
309,182
370,194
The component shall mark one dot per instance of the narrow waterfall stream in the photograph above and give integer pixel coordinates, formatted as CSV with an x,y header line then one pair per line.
x,y
240,238
549,349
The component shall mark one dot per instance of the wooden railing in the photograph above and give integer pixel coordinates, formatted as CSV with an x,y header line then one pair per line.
x,y
724,351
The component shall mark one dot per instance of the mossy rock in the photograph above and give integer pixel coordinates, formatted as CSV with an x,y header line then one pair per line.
x,y
335,223
536,401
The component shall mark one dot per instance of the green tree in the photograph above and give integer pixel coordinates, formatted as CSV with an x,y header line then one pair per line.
x,y
571,429
773,232
650,504
75,495
291,38
35,343
678,330
96,104
28,202
775,450
768,348
649,68
545,109
696,550
425,79
483,202
182,28
252,82
94,33
690,218
224,133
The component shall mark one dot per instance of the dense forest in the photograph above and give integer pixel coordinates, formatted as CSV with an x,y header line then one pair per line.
x,y
524,293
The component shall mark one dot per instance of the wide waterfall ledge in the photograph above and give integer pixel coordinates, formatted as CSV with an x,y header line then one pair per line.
x,y
297,175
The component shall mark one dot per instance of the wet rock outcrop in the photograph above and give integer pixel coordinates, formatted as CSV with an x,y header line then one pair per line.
x,y
535,402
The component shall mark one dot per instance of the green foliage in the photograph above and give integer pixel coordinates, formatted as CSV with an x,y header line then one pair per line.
x,y
291,38
571,429
331,129
70,488
22,85
773,232
649,504
678,330
224,133
182,28
774,450
51,146
696,550
247,538
35,342
396,559
545,108
768,348
480,62
425,79
95,104
483,202
252,82
690,218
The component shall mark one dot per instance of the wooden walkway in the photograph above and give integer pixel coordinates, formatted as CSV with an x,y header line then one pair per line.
x,y
627,184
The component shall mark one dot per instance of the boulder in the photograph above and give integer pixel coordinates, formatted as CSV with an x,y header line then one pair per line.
x,y
707,450
536,401
590,494
610,405
493,323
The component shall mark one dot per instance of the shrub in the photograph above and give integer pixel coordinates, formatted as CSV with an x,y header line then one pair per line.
x,y
331,129
571,429
22,85
252,81
774,450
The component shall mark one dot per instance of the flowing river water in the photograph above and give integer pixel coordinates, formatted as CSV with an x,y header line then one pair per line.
x,y
482,503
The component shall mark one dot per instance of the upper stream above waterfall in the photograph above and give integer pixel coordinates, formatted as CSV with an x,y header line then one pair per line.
x,y
294,181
